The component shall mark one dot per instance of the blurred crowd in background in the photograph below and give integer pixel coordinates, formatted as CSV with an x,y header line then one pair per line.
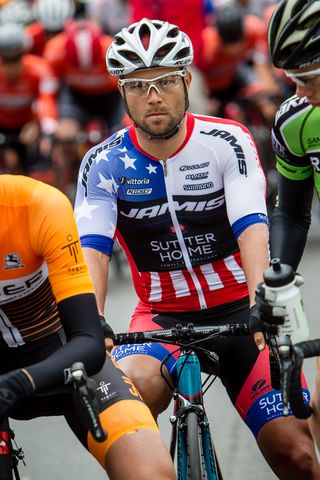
x,y
57,98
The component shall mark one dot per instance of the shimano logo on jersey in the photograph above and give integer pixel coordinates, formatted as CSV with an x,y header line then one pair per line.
x,y
86,169
158,210
198,186
242,165
194,166
134,181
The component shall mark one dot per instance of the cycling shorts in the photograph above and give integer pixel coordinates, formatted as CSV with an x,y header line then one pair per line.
x,y
244,371
121,409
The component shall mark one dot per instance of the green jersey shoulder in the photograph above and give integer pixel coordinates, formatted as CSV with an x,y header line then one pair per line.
x,y
296,139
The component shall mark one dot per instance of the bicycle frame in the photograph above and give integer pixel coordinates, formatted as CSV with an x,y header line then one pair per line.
x,y
188,398
9,457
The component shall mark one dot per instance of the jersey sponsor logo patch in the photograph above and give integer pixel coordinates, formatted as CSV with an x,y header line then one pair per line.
x,y
242,165
197,176
198,186
73,247
134,181
12,261
194,166
139,191
313,141
14,289
316,163
189,206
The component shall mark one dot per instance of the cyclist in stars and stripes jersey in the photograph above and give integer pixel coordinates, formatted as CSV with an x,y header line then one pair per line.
x,y
185,196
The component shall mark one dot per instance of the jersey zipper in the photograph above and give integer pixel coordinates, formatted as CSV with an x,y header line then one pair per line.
x,y
184,250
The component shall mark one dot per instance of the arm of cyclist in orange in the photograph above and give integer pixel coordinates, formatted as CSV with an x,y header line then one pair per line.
x,y
98,264
253,244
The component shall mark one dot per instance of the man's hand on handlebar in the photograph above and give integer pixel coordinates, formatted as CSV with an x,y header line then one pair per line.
x,y
108,333
264,318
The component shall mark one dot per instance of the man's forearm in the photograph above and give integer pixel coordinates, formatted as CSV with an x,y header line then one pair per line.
x,y
253,244
98,264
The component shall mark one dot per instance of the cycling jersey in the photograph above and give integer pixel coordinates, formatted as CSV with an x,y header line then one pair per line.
x,y
31,96
297,147
92,80
177,221
40,263
296,140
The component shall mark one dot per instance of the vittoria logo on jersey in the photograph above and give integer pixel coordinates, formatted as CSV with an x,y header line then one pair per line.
x,y
134,181
11,261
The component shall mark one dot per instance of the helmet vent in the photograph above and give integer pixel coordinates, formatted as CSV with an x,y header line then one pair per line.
x,y
163,51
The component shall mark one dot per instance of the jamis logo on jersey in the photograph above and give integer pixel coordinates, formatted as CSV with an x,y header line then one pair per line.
x,y
12,261
242,165
84,180
162,209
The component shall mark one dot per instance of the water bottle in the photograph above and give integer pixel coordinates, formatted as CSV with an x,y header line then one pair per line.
x,y
282,290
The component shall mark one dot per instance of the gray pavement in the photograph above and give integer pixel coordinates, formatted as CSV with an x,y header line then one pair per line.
x,y
52,452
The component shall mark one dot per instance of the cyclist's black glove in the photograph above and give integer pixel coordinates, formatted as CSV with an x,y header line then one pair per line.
x,y
14,387
106,328
270,317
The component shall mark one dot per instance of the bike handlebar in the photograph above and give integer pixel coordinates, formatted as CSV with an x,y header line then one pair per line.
x,y
307,349
181,335
85,388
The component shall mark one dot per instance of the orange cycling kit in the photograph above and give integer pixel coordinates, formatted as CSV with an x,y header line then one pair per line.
x,y
31,96
49,318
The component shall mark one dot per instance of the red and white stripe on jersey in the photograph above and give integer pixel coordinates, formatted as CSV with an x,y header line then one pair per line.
x,y
167,291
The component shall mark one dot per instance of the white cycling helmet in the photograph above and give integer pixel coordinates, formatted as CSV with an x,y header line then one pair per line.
x,y
148,44
16,11
53,14
14,40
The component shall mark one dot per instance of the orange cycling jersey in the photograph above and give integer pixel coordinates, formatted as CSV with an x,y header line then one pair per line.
x,y
30,96
41,259
220,61
93,80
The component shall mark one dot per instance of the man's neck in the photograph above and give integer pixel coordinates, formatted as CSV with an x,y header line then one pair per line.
x,y
159,148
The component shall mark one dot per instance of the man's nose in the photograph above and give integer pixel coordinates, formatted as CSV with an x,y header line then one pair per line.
x,y
154,94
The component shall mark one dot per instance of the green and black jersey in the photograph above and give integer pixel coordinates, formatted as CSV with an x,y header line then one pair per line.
x,y
296,144
296,140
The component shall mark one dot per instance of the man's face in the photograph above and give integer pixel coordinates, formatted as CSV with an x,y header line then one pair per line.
x,y
307,83
157,108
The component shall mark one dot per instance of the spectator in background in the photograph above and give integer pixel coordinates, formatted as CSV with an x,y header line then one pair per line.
x,y
87,92
235,59
50,17
111,15
28,114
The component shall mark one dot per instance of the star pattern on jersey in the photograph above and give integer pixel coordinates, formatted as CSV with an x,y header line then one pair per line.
x,y
128,161
107,184
85,210
103,155
123,150
151,169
